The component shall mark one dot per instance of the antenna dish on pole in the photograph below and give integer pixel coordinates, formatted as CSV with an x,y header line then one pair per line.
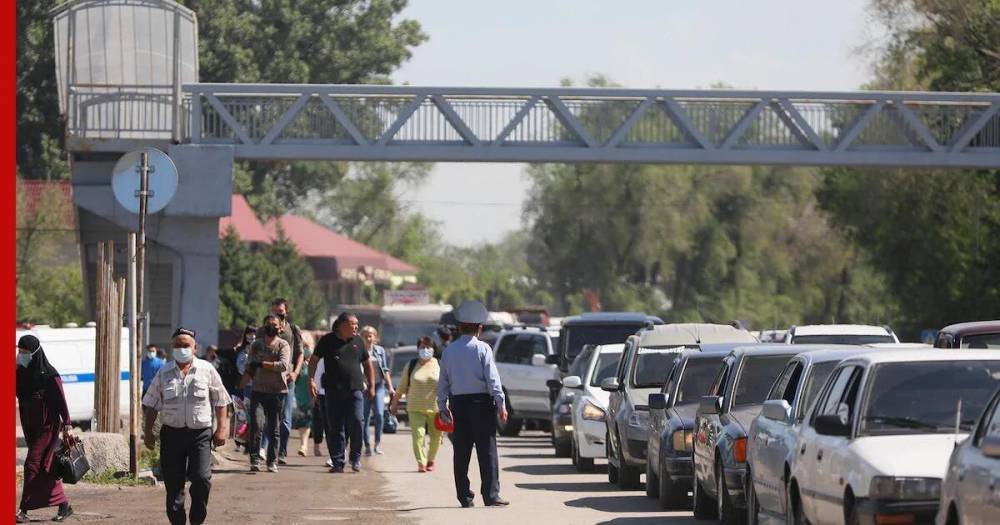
x,y
126,180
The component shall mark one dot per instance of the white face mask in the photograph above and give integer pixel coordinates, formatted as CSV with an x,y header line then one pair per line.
x,y
425,353
24,359
150,355
183,355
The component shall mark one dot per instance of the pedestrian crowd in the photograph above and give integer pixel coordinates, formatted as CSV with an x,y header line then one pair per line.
x,y
277,380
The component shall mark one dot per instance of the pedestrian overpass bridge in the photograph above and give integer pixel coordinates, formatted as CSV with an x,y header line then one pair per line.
x,y
461,124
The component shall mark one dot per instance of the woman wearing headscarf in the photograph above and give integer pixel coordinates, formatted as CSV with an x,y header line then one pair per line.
x,y
44,414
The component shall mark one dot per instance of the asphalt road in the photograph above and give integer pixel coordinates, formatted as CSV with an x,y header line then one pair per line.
x,y
542,489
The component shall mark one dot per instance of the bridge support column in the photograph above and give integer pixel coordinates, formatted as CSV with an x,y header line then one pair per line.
x,y
182,240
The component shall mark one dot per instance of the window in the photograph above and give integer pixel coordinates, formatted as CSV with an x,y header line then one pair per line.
x,y
925,397
624,361
814,381
607,365
696,380
582,361
982,341
652,368
756,377
602,334
519,348
778,389
990,426
834,392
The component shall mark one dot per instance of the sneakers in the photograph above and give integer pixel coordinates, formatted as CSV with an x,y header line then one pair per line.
x,y
421,467
368,451
22,516
430,466
65,511
356,466
271,467
281,461
378,450
316,451
337,470
254,467
329,463
498,502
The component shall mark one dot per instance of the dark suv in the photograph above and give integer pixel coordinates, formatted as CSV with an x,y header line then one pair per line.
x,y
598,328
979,334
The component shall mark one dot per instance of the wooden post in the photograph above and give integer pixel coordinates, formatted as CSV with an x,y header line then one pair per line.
x,y
107,370
135,367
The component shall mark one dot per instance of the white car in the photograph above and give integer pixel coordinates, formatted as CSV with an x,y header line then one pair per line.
x,y
840,334
971,489
876,443
520,355
590,405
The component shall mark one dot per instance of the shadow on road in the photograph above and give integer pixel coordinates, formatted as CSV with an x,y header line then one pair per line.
x,y
658,520
567,487
619,503
542,470
540,455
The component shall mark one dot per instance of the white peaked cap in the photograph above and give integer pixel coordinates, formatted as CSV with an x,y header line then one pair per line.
x,y
472,312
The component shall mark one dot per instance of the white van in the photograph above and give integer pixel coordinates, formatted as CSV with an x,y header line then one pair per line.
x,y
71,352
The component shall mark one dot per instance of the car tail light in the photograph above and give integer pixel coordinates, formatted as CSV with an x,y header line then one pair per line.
x,y
740,450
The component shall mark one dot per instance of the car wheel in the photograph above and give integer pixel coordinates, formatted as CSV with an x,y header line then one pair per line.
x,y
652,481
753,506
727,511
564,450
850,509
628,477
671,495
793,506
575,455
704,506
612,470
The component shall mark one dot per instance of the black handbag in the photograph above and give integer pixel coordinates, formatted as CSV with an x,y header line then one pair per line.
x,y
71,464
389,422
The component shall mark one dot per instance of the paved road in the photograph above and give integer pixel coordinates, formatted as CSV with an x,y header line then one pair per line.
x,y
542,489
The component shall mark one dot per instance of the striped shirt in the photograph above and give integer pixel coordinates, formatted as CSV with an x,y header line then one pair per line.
x,y
421,389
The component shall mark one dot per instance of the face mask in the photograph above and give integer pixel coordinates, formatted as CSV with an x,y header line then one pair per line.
x,y
270,330
150,355
25,359
183,355
425,353
282,316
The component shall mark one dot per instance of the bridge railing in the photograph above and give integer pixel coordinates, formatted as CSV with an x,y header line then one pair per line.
x,y
130,112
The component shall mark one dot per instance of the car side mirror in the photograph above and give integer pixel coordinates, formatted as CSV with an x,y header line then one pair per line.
x,y
552,359
572,382
776,410
710,405
832,425
554,384
610,384
539,360
657,401
990,446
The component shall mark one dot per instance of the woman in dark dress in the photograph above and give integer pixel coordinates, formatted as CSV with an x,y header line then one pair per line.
x,y
43,413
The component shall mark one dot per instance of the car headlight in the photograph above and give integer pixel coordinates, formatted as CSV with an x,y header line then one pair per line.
x,y
638,419
682,440
893,488
592,412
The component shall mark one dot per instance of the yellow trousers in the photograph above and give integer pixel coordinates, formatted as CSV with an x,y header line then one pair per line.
x,y
422,424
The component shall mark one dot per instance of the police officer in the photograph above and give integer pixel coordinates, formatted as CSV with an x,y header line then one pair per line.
x,y
186,391
470,395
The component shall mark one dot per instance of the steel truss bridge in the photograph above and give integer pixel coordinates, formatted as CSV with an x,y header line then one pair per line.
x,y
403,123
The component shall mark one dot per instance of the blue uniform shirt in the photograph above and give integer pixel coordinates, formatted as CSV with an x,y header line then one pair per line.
x,y
149,369
467,367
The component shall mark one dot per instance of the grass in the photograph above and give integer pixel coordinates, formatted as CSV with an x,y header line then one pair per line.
x,y
148,460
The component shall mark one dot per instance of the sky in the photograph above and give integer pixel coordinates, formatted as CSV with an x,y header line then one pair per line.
x,y
805,45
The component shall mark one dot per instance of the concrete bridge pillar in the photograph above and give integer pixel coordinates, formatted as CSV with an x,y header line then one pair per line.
x,y
182,284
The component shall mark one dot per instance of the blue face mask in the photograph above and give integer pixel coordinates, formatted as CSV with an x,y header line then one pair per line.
x,y
425,353
24,359
183,355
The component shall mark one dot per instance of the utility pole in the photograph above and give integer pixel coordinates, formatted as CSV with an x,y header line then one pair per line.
x,y
143,194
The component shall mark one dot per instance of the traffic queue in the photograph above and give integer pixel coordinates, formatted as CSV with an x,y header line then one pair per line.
x,y
822,424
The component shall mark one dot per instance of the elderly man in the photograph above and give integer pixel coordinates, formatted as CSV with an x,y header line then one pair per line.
x,y
470,394
186,391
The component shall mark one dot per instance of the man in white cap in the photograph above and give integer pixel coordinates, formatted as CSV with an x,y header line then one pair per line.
x,y
470,394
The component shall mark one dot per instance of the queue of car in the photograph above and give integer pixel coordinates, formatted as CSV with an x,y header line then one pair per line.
x,y
833,424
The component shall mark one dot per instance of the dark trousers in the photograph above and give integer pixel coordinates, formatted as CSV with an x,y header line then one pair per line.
x,y
265,411
344,410
475,425
319,419
186,454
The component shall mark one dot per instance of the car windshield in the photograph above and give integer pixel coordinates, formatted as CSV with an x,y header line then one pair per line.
x,y
696,380
579,366
607,366
756,378
603,334
401,334
844,339
818,375
652,367
923,397
982,341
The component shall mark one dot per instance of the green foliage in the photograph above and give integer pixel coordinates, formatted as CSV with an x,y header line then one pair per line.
x,y
251,277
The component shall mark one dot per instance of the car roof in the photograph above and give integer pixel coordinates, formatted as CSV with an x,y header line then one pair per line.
x,y
898,346
610,318
775,349
723,348
834,353
933,354
841,329
974,327
516,330
680,334
616,348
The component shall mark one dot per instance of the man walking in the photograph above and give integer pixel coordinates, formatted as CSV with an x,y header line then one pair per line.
x,y
293,336
348,376
268,367
470,395
186,391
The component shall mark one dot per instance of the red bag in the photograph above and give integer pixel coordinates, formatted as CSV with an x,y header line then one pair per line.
x,y
442,425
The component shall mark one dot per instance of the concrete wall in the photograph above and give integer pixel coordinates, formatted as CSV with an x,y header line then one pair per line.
x,y
182,240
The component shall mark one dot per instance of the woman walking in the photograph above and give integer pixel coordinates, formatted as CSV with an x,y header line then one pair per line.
x,y
419,383
44,413
383,384
302,418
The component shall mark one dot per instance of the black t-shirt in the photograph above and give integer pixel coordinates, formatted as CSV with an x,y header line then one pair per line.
x,y
342,362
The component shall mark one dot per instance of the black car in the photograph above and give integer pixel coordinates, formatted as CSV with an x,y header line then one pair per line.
x,y
598,328
669,468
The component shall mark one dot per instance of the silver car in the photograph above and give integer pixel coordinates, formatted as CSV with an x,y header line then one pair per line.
x,y
970,492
